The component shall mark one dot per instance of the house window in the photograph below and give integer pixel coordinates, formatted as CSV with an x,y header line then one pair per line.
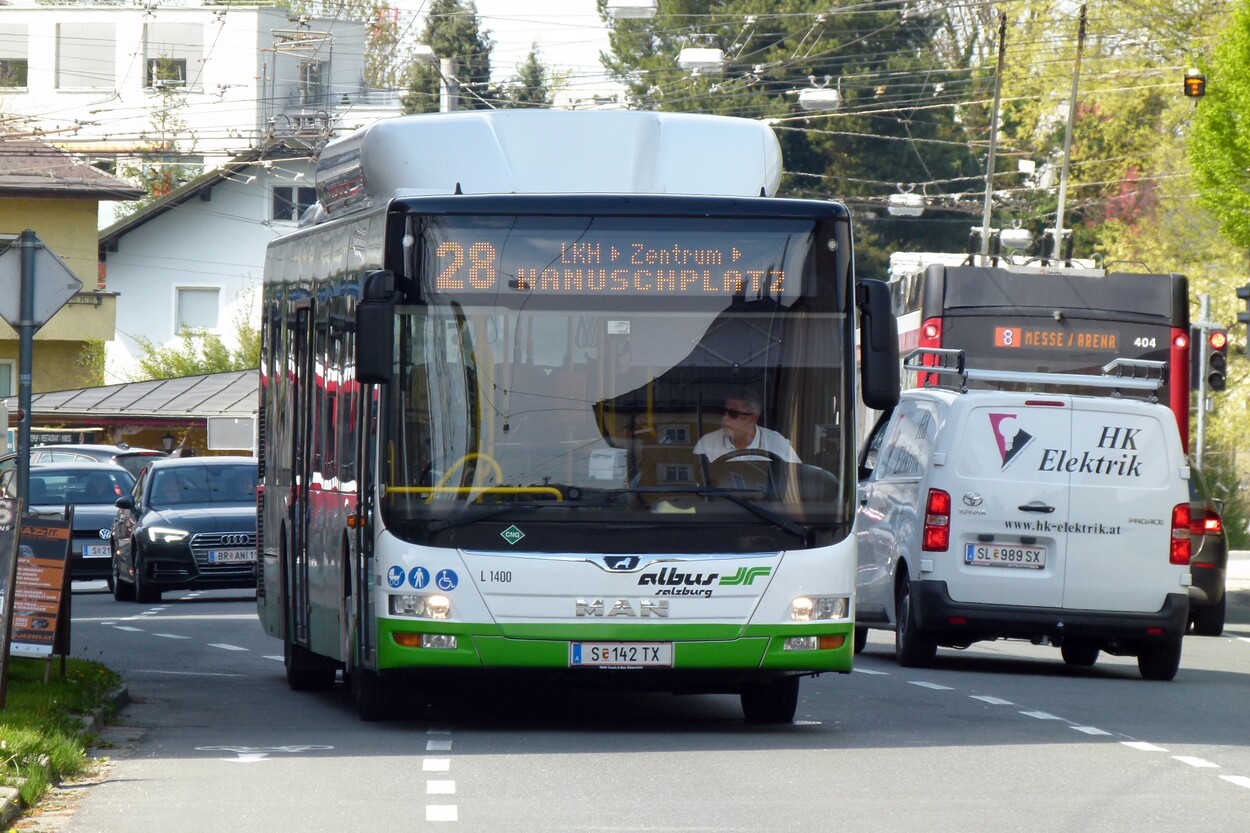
x,y
166,72
198,308
86,55
13,55
173,53
289,203
312,86
7,375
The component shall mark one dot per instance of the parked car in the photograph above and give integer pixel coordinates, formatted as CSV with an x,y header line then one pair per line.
x,y
188,523
91,489
131,459
1209,564
1054,518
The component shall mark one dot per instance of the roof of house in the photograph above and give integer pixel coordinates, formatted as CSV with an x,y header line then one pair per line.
x,y
202,183
30,166
232,394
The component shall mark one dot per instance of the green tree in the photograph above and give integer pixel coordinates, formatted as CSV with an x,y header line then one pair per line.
x,y
534,85
199,352
452,30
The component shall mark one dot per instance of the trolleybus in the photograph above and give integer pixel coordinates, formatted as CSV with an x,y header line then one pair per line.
x,y
1050,319
487,360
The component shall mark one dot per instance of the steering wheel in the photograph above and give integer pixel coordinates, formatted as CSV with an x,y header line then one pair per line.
x,y
459,464
750,452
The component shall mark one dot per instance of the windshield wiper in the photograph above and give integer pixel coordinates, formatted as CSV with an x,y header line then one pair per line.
x,y
775,518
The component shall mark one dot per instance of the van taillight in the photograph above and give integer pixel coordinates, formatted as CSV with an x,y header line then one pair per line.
x,y
937,522
1180,534
1211,524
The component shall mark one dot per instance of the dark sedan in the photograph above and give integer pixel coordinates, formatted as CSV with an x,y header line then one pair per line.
x,y
1208,566
190,523
91,489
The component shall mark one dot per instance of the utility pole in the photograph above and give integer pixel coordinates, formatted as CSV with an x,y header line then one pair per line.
x,y
1059,230
990,160
448,86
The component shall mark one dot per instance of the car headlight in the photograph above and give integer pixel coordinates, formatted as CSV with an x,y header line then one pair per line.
x,y
166,535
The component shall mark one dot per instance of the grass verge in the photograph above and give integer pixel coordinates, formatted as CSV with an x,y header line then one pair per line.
x,y
43,738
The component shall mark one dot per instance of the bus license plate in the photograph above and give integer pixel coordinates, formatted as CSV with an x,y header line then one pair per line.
x,y
231,556
620,654
1015,555
96,551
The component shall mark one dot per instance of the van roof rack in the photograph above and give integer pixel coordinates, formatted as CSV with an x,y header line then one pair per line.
x,y
1118,375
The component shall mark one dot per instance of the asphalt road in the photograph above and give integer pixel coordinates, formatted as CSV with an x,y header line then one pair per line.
x,y
999,737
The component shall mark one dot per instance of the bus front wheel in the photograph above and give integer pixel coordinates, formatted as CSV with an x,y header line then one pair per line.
x,y
771,702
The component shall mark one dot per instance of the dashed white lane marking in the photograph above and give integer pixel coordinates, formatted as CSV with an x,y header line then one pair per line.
x,y
933,686
226,646
1239,780
277,657
1042,715
438,746
128,628
871,671
440,787
1142,746
185,673
440,812
1091,730
1201,763
1244,638
993,701
171,635
436,765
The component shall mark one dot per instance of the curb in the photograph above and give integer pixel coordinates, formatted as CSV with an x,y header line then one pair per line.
x,y
10,799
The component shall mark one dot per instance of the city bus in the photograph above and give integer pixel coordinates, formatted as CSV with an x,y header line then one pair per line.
x,y
1060,319
488,354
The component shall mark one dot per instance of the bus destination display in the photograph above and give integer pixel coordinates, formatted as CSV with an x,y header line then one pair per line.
x,y
637,263
1055,338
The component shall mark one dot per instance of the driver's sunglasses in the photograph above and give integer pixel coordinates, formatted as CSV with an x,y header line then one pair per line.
x,y
733,413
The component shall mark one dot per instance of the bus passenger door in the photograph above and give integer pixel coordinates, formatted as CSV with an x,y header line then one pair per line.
x,y
296,568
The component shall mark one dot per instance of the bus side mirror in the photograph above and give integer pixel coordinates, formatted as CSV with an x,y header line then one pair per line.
x,y
375,342
879,370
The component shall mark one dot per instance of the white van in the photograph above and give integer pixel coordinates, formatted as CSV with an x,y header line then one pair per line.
x,y
1056,518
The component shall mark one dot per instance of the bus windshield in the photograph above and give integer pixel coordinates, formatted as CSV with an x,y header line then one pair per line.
x,y
676,375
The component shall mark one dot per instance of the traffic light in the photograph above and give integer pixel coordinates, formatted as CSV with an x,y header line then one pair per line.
x,y
1243,292
1217,359
1195,84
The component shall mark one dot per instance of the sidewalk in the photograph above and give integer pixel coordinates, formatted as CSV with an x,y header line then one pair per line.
x,y
1237,586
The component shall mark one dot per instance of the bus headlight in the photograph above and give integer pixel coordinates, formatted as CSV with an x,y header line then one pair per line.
x,y
815,608
436,606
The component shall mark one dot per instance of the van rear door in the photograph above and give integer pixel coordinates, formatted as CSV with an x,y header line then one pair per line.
x,y
1007,537
1125,465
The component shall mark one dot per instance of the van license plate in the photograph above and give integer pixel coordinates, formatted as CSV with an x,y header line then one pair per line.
x,y
620,654
981,555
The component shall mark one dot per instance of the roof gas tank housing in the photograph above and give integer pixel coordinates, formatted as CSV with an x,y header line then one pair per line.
x,y
547,152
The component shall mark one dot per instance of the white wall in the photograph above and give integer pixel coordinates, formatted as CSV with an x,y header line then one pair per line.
x,y
216,243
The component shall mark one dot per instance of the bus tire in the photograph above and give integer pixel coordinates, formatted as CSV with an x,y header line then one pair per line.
x,y
1209,621
913,648
771,702
1160,660
375,698
304,670
861,639
1079,653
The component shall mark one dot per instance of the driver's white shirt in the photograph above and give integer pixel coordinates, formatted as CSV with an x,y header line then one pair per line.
x,y
716,444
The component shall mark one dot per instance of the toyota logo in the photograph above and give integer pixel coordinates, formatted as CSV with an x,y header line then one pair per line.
x,y
235,539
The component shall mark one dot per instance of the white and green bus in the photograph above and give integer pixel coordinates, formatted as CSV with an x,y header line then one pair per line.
x,y
488,359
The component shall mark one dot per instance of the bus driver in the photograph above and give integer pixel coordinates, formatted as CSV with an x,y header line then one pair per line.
x,y
740,430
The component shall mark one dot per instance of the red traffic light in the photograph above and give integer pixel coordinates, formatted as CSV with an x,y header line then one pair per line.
x,y
1218,340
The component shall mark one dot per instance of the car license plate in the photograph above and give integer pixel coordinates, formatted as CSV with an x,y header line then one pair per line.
x,y
620,654
96,551
1005,555
231,556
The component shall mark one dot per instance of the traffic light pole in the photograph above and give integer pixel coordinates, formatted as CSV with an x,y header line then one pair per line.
x,y
1204,345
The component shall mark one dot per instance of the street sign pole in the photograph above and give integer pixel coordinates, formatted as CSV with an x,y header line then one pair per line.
x,y
28,244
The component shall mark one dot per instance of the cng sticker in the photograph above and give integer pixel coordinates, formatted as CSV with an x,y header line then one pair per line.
x,y
512,534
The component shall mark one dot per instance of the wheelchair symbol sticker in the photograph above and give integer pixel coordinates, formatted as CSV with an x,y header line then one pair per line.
x,y
446,580
395,577
419,577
